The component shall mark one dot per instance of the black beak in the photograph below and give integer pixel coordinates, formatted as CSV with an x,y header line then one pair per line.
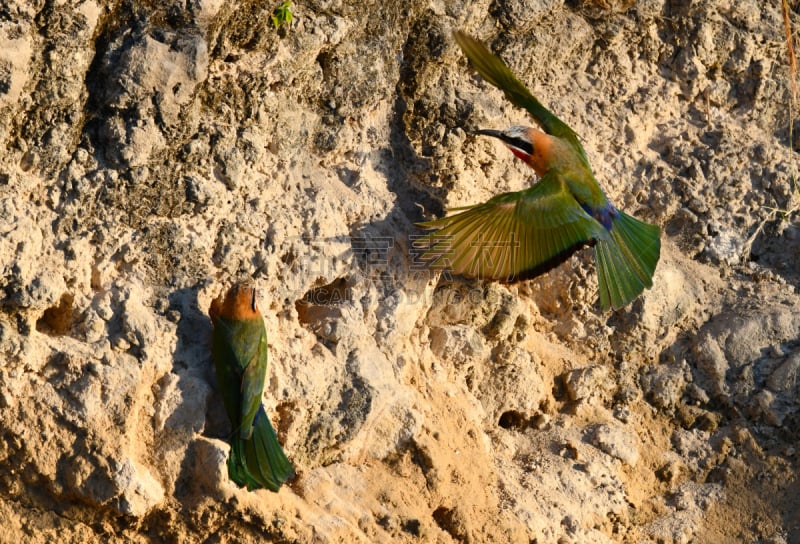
x,y
519,143
491,132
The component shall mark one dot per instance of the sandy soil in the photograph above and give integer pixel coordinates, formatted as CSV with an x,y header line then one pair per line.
x,y
153,154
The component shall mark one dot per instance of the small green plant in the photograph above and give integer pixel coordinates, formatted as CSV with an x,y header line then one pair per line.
x,y
282,14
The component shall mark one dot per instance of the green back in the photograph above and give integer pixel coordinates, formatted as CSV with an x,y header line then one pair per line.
x,y
239,350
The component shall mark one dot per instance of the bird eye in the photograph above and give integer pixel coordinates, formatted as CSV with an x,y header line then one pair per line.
x,y
523,145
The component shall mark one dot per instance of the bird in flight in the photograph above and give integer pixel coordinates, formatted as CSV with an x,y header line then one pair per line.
x,y
519,235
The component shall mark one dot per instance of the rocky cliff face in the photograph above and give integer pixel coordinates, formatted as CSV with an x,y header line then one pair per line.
x,y
154,153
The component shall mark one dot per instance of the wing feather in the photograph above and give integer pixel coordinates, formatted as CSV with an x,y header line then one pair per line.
x,y
512,236
495,71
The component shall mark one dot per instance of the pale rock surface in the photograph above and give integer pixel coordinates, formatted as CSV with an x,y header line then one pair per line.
x,y
155,153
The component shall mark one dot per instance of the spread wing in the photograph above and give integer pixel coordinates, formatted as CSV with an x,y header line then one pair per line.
x,y
512,236
494,70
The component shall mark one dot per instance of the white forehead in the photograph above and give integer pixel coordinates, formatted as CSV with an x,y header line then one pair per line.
x,y
517,131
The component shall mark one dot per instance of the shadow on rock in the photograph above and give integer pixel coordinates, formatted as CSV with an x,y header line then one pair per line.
x,y
186,405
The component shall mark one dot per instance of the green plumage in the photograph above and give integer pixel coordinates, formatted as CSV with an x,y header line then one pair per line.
x,y
239,350
495,71
519,235
512,236
626,260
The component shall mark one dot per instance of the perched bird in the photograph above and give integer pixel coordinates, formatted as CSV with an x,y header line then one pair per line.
x,y
239,349
519,235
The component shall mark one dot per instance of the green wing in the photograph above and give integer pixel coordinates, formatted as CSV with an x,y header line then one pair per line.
x,y
254,346
513,236
240,355
256,458
494,70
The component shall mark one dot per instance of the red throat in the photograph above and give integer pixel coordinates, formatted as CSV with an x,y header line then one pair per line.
x,y
530,160
542,151
524,157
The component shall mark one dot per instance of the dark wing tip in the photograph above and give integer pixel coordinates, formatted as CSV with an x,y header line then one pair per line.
x,y
549,264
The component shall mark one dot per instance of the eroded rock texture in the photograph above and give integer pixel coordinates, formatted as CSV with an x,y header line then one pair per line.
x,y
154,153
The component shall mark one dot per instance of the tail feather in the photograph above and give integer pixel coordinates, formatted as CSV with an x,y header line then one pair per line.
x,y
604,275
626,260
259,462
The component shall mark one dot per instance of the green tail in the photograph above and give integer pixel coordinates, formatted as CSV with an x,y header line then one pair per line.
x,y
626,260
259,461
